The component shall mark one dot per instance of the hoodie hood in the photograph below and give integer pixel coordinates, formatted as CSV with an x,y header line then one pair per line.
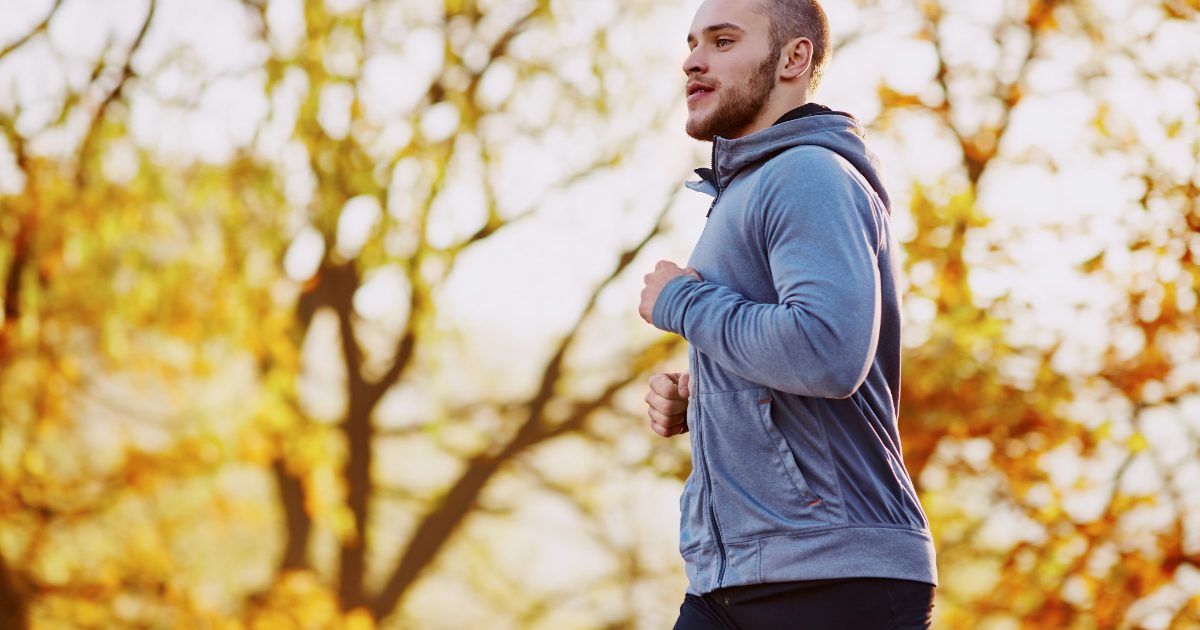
x,y
841,134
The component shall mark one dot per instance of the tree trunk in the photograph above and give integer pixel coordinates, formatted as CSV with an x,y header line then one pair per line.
x,y
299,525
13,612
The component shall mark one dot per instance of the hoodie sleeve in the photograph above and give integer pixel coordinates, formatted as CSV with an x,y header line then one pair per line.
x,y
821,239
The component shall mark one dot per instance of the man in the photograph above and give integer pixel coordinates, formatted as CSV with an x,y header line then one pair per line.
x,y
799,512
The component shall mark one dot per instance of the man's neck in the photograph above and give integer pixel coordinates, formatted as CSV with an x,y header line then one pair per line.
x,y
775,107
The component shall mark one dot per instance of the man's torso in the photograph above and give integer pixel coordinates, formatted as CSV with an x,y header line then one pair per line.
x,y
771,468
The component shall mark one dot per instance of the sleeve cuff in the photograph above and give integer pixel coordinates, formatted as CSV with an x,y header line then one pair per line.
x,y
668,310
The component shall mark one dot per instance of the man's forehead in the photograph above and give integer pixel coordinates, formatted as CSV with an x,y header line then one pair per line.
x,y
733,14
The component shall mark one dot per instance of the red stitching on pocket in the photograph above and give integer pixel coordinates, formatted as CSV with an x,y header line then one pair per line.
x,y
814,503
764,401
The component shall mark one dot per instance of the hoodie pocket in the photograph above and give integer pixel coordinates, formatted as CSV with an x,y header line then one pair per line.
x,y
757,488
694,530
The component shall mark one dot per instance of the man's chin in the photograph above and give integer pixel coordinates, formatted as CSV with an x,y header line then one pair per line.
x,y
698,128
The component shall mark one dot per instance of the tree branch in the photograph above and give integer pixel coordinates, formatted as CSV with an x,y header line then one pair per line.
x,y
21,242
976,157
407,344
437,527
127,73
37,29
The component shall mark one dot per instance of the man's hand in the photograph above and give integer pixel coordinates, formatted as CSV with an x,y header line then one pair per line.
x,y
663,272
668,400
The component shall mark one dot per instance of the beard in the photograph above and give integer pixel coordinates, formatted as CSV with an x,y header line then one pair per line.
x,y
739,106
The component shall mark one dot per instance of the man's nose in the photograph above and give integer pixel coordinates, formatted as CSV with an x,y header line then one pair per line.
x,y
694,63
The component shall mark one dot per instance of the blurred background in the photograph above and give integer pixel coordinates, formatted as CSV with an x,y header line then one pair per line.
x,y
322,313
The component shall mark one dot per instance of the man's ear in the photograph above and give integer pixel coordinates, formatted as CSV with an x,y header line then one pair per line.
x,y
797,58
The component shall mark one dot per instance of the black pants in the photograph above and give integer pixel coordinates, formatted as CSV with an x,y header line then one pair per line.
x,y
845,604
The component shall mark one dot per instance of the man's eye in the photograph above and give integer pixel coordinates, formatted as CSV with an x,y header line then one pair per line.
x,y
721,42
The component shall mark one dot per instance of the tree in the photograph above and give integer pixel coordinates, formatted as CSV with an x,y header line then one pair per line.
x,y
239,386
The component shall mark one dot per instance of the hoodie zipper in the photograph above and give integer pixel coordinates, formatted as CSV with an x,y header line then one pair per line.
x,y
716,178
712,512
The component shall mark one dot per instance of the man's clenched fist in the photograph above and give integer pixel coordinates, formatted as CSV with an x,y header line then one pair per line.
x,y
663,272
668,400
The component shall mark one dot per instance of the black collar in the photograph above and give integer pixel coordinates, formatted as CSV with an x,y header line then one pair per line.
x,y
809,109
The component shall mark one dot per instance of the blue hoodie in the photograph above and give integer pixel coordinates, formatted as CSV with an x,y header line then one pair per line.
x,y
794,352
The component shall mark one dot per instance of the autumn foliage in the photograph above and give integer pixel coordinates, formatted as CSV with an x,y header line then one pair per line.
x,y
256,369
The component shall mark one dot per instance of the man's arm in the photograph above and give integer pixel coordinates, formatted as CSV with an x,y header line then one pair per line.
x,y
820,339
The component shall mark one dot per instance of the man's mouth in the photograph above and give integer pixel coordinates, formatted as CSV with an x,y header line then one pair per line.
x,y
696,91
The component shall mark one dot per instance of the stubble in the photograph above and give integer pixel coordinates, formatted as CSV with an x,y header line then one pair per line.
x,y
739,106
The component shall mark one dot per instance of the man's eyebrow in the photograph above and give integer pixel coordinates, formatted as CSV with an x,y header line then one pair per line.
x,y
723,26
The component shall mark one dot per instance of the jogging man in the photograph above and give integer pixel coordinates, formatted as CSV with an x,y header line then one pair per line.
x,y
799,512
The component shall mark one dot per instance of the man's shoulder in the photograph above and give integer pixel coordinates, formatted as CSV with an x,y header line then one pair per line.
x,y
818,183
808,171
811,159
